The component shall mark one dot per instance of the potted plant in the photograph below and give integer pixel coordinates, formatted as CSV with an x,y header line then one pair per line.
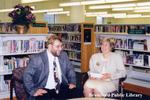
x,y
22,17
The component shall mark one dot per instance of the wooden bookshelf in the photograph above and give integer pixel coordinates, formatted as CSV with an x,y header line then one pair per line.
x,y
87,31
137,86
38,28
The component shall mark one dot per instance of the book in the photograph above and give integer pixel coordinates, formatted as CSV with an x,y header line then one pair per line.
x,y
95,75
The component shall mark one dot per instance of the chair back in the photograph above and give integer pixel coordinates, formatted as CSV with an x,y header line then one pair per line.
x,y
17,84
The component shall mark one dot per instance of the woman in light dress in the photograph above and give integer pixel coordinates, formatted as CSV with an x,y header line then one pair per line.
x,y
105,70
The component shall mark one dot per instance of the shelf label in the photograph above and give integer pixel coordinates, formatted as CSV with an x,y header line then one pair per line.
x,y
136,31
39,25
88,25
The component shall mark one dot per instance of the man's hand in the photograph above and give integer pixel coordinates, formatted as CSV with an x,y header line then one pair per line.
x,y
92,78
40,92
71,86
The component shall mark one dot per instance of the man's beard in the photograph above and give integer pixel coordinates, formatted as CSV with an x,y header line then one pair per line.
x,y
54,54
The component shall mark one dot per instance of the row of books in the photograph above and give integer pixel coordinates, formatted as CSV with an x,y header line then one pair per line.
x,y
122,28
72,46
7,28
127,43
69,37
14,62
23,46
137,59
65,27
74,55
75,37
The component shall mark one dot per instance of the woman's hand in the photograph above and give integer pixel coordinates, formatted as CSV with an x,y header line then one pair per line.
x,y
106,76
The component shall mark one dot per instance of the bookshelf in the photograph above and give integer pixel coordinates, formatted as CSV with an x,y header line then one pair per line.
x,y
14,52
77,42
132,47
135,49
36,28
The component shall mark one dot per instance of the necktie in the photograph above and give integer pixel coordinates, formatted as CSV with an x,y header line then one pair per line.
x,y
56,77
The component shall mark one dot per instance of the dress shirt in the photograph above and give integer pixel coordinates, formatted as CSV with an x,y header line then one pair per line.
x,y
51,84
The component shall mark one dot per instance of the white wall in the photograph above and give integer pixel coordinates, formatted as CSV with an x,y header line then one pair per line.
x,y
130,21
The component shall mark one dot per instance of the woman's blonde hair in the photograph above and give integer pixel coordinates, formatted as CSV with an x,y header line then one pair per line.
x,y
111,42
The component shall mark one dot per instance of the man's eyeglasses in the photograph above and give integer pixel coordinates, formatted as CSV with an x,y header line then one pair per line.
x,y
59,46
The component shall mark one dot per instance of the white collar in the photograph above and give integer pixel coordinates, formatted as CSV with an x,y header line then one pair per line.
x,y
50,55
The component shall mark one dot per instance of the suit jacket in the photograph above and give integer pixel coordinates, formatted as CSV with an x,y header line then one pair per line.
x,y
36,74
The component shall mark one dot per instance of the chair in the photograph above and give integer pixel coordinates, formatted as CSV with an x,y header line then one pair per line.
x,y
17,84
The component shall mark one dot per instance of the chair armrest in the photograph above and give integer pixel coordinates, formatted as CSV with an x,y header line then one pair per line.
x,y
120,82
84,78
122,79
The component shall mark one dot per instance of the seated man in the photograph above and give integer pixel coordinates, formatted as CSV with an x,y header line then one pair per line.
x,y
50,74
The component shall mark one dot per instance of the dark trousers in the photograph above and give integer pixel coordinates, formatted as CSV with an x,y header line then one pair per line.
x,y
64,93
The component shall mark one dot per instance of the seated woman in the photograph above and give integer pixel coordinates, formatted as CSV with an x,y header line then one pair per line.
x,y
105,70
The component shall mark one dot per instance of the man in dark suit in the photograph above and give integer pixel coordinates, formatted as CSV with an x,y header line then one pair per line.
x,y
40,75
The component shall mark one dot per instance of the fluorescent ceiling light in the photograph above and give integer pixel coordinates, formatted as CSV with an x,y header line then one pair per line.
x,y
141,8
95,13
129,16
146,10
30,1
106,15
100,7
92,2
133,15
69,4
47,10
81,3
122,9
123,5
118,14
11,9
102,14
6,10
143,4
115,1
90,15
145,16
57,13
137,9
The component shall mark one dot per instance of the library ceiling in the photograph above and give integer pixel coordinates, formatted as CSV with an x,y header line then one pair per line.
x,y
92,8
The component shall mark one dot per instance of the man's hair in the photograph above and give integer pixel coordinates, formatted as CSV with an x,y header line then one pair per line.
x,y
51,39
